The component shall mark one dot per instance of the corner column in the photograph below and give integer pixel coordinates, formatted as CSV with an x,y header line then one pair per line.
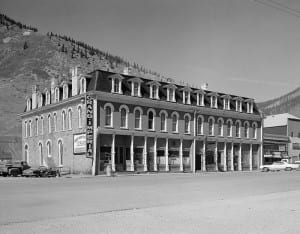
x,y
216,156
145,154
155,154
132,153
240,158
231,157
113,153
181,155
250,157
194,156
167,154
225,156
203,162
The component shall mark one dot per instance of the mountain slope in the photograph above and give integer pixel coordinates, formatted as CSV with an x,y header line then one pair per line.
x,y
27,58
288,103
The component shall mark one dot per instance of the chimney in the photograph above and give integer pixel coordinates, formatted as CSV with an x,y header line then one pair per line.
x,y
75,80
204,86
34,96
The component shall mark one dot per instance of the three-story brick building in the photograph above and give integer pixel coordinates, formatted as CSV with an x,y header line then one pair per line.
x,y
138,124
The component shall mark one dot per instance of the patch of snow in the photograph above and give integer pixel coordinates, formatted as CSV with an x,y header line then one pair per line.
x,y
6,40
26,33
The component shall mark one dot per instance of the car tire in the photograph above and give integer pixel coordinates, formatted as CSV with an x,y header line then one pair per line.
x,y
265,169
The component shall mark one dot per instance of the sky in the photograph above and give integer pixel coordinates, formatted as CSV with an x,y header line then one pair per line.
x,y
240,47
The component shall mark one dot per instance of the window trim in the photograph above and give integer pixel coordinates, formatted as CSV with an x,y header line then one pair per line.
x,y
111,115
140,119
166,120
188,132
126,116
202,125
222,126
213,126
177,120
153,121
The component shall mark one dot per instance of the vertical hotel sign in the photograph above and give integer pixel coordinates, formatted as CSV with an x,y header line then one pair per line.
x,y
89,126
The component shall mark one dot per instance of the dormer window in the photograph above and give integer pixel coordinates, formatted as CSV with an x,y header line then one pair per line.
x,y
250,106
48,98
226,102
154,89
41,100
65,91
28,107
56,94
186,96
238,104
116,83
213,101
200,97
135,86
82,88
171,93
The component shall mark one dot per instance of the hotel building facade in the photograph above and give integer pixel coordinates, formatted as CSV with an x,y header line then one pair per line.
x,y
138,124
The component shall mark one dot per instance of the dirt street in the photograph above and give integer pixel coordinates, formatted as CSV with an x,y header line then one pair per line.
x,y
238,202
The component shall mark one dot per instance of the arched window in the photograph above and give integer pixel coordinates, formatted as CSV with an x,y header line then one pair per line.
x,y
30,128
237,129
60,152
137,119
211,126
150,120
70,118
41,154
56,94
54,122
64,120
246,130
123,118
163,121
37,126
220,127
48,148
82,88
229,128
174,122
28,104
49,123
48,97
254,130
108,116
26,153
79,117
42,125
25,129
199,126
187,124
65,91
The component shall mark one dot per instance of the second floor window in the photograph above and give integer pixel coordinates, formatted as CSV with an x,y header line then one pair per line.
x,y
213,101
174,123
229,128
199,126
237,129
254,129
246,130
108,116
150,120
220,128
163,122
123,118
137,119
136,89
211,127
186,124
154,92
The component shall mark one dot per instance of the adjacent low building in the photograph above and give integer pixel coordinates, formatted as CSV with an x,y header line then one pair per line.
x,y
281,137
137,124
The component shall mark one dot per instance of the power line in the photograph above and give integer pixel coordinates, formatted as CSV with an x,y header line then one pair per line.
x,y
279,6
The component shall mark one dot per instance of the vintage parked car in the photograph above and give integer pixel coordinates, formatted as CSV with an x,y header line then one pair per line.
x,y
41,171
277,166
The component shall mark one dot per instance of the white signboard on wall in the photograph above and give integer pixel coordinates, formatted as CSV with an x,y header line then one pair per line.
x,y
79,143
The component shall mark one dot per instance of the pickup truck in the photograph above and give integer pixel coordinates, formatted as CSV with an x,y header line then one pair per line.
x,y
277,166
14,168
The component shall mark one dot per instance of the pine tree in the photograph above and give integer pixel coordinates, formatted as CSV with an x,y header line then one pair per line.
x,y
25,46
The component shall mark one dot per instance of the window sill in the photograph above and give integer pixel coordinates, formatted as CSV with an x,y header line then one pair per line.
x,y
200,134
151,130
175,132
108,126
138,129
187,133
164,131
124,128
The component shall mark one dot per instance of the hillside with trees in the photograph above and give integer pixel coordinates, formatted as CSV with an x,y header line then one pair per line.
x,y
28,57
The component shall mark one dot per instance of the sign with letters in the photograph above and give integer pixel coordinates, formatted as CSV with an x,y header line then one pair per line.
x,y
79,143
89,126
